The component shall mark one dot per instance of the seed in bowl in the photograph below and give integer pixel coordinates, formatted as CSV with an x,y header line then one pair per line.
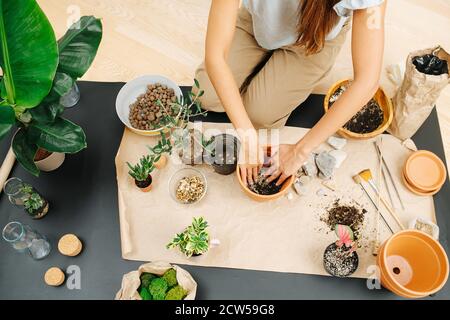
x,y
190,189
146,113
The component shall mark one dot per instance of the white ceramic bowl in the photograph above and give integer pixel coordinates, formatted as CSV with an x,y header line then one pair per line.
x,y
133,89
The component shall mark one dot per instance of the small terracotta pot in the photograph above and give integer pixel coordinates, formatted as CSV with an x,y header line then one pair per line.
x,y
161,163
383,101
144,186
412,264
263,198
52,162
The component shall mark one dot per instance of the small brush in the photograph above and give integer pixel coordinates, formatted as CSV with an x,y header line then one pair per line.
x,y
359,181
366,175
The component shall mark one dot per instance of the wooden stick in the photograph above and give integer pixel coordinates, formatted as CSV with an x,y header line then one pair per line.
x,y
6,168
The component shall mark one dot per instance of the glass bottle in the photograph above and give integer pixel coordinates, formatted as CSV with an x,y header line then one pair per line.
x,y
22,194
71,98
24,239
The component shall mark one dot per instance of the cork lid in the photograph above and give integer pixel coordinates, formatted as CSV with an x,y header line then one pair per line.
x,y
425,171
69,245
54,277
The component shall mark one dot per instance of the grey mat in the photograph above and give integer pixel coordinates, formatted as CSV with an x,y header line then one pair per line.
x,y
83,196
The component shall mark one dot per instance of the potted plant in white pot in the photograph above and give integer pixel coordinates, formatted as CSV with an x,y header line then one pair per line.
x,y
37,72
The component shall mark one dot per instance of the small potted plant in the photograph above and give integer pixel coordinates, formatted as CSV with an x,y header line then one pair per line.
x,y
194,240
340,258
141,172
34,204
222,153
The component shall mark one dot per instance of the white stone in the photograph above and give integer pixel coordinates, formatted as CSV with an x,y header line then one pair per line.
x,y
326,164
310,169
304,180
321,192
300,189
337,143
340,157
290,196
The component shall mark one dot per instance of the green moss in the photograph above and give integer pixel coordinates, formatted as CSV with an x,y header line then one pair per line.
x,y
171,277
176,293
146,278
145,294
158,288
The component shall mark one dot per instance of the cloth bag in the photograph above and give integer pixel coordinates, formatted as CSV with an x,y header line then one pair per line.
x,y
417,95
131,281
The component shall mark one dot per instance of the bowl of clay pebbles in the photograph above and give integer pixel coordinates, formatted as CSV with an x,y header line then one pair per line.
x,y
187,186
145,103
372,120
262,191
157,281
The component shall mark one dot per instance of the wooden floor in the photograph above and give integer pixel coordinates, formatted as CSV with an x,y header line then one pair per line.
x,y
167,37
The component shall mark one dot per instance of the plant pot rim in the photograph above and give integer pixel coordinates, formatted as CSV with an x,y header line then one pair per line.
x,y
363,136
418,234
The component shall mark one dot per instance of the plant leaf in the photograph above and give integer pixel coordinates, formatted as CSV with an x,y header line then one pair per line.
x,y
197,84
25,150
4,129
28,53
60,136
78,47
7,115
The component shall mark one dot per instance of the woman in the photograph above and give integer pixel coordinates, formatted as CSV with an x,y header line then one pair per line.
x,y
264,59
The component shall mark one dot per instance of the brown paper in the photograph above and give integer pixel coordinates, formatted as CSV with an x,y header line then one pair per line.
x,y
131,281
417,96
283,235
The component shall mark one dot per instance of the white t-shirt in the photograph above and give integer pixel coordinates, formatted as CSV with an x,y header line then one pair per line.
x,y
275,21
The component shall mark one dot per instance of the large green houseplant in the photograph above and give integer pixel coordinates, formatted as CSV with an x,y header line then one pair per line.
x,y
37,72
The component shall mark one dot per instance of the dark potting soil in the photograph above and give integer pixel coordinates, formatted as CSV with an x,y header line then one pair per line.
x,y
144,184
367,120
262,187
348,215
41,154
339,261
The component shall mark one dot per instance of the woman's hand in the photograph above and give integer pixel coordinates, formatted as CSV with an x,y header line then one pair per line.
x,y
285,162
250,161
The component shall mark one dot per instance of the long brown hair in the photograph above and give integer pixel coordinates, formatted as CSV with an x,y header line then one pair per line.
x,y
316,19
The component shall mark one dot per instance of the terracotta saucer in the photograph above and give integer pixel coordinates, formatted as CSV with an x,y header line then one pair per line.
x,y
425,171
417,191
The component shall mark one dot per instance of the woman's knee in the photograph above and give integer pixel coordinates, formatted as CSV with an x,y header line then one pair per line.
x,y
210,101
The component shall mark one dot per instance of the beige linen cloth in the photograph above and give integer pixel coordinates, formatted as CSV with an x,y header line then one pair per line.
x,y
283,235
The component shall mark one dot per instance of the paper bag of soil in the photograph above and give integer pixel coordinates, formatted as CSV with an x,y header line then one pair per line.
x,y
426,76
131,281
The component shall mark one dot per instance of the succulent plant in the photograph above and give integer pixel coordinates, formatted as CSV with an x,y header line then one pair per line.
x,y
194,240
163,146
143,169
33,202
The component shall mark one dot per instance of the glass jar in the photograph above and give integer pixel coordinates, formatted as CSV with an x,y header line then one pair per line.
x,y
24,195
24,239
71,98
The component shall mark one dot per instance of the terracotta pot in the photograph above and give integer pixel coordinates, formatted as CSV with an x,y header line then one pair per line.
x,y
383,101
262,198
144,186
413,265
161,163
52,162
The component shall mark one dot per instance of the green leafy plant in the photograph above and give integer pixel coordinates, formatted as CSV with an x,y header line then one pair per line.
x,y
33,201
194,240
37,72
163,146
143,169
145,294
183,110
